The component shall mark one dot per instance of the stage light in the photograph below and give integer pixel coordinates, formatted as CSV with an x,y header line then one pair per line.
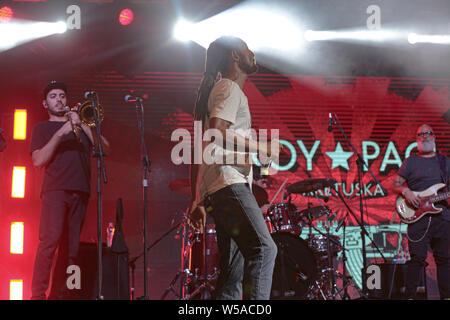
x,y
414,38
16,240
126,17
58,27
18,182
6,14
353,35
183,30
263,28
16,289
16,33
20,124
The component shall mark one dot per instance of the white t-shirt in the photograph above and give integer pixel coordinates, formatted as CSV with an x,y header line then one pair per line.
x,y
228,102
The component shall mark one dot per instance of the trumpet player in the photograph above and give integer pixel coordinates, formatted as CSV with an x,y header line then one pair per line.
x,y
61,145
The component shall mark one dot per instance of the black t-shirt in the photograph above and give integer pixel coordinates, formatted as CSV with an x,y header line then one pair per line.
x,y
421,173
70,167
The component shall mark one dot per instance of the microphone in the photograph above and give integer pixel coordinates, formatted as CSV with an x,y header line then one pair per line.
x,y
130,98
87,94
330,122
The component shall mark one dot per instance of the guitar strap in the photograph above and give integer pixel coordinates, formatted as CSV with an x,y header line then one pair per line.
x,y
444,169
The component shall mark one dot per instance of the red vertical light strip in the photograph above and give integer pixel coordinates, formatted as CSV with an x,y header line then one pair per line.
x,y
17,236
16,289
18,182
20,124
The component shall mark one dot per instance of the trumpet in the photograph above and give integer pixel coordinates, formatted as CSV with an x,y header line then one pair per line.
x,y
86,113
75,131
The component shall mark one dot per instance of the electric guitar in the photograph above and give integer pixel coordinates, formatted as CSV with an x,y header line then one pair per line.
x,y
409,214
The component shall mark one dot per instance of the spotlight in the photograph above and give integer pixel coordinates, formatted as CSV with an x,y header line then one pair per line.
x,y
264,29
414,38
126,17
60,27
352,35
16,33
183,30
6,14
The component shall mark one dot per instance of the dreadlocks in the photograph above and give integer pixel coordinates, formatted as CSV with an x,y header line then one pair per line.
x,y
217,60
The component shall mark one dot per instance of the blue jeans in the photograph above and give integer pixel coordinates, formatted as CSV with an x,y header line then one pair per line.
x,y
247,250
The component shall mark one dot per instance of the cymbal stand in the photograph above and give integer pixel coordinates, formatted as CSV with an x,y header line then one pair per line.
x,y
331,278
331,286
345,278
184,272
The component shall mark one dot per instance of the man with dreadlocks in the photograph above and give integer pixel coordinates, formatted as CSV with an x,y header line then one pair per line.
x,y
247,251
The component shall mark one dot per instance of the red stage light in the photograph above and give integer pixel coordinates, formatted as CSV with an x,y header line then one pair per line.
x,y
126,17
17,234
6,14
18,182
16,289
20,124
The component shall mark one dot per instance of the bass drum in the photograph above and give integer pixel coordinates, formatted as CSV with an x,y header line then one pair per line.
x,y
295,268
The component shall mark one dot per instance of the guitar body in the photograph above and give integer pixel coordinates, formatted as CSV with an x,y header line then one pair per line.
x,y
409,214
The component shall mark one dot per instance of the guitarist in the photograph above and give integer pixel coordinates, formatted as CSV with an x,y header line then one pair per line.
x,y
420,172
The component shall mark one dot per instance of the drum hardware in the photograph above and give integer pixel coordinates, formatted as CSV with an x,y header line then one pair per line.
x,y
325,248
304,269
284,219
184,272
195,281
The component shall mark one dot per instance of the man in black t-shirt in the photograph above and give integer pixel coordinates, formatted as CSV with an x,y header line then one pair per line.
x,y
62,146
421,172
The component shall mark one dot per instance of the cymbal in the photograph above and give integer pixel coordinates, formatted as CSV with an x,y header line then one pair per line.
x,y
181,186
310,185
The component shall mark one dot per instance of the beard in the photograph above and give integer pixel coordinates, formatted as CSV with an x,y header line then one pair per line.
x,y
249,68
426,146
57,113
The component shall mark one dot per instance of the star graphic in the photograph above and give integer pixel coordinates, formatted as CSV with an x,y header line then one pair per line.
x,y
339,157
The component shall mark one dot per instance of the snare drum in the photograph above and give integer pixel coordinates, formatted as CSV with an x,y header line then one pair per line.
x,y
319,244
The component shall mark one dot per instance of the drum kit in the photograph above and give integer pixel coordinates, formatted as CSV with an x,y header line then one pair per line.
x,y
305,269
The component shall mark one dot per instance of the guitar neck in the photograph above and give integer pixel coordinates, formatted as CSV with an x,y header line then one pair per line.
x,y
440,197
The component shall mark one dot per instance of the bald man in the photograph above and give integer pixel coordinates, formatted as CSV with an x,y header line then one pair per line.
x,y
420,172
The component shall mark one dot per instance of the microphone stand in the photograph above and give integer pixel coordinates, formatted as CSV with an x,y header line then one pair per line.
x,y
101,171
345,278
145,171
360,163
